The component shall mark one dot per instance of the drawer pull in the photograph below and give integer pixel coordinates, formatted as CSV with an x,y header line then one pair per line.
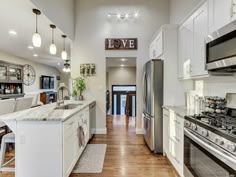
x,y
177,139
177,122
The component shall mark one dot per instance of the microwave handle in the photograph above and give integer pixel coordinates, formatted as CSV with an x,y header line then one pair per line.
x,y
212,148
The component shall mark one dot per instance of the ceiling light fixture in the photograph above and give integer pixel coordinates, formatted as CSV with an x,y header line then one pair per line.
x,y
12,32
36,39
123,59
122,65
66,66
53,47
35,55
64,53
123,16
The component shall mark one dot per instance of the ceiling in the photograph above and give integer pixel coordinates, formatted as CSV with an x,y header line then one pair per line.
x,y
121,62
17,15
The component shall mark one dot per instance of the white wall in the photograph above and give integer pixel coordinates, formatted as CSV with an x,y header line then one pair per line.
x,y
60,12
179,9
219,86
40,69
121,76
93,26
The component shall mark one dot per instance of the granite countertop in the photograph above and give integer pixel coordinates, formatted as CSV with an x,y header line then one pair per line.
x,y
46,112
180,110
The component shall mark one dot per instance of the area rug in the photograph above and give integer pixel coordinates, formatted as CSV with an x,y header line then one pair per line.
x,y
92,159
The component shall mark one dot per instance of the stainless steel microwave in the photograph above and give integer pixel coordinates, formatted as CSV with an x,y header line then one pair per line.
x,y
221,49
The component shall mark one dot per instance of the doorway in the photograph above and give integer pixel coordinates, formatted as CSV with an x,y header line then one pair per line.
x,y
121,87
124,100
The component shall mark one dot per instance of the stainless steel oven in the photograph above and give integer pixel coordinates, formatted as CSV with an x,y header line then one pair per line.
x,y
203,158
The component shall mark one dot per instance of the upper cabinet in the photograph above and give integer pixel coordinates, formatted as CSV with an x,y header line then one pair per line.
x,y
200,31
220,13
156,47
185,48
192,44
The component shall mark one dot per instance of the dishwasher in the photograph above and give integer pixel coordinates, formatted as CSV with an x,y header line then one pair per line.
x,y
92,119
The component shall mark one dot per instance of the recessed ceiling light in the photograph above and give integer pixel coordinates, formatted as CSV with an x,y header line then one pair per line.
x,y
12,32
119,16
123,59
35,55
136,14
122,65
30,47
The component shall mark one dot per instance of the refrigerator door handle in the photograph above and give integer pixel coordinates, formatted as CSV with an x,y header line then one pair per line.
x,y
145,88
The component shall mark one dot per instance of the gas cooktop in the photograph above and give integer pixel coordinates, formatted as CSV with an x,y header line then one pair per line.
x,y
221,122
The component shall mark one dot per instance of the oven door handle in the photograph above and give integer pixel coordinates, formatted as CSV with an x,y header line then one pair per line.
x,y
223,155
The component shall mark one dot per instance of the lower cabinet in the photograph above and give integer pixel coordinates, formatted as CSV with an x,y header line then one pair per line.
x,y
173,139
75,139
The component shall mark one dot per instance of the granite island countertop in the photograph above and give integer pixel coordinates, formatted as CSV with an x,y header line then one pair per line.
x,y
180,110
47,112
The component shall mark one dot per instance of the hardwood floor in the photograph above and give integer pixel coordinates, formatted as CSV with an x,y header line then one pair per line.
x,y
127,155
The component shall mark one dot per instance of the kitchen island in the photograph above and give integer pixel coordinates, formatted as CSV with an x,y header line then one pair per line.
x,y
49,139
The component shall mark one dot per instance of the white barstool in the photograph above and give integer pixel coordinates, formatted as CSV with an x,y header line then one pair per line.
x,y
7,107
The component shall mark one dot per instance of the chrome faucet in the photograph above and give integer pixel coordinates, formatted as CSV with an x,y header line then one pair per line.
x,y
61,88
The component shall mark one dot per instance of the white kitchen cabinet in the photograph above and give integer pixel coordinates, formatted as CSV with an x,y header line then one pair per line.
x,y
192,46
156,47
220,13
166,116
185,48
75,139
200,32
173,139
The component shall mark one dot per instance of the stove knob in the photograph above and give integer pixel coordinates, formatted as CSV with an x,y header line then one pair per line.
x,y
231,148
194,127
205,133
219,141
188,124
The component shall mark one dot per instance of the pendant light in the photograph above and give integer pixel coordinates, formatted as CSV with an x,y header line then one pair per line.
x,y
66,66
36,39
64,53
53,47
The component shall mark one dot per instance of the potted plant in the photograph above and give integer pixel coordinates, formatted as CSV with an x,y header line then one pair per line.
x,y
79,86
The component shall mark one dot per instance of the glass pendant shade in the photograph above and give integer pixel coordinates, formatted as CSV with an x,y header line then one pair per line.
x,y
36,39
53,49
64,55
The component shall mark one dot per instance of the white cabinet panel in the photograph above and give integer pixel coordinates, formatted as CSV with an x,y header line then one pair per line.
x,y
166,117
185,48
156,47
200,31
220,13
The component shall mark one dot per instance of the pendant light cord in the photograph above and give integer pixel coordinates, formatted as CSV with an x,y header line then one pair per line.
x,y
36,23
52,36
64,44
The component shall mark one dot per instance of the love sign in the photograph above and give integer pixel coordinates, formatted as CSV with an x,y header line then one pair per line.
x,y
121,44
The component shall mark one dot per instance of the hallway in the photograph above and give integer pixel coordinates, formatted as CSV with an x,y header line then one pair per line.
x,y
127,154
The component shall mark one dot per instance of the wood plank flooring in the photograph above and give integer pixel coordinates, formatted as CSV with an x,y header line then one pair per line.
x,y
127,155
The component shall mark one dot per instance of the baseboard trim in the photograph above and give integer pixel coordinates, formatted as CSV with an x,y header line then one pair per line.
x,y
101,131
139,131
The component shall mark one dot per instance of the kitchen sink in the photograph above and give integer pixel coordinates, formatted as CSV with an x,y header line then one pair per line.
x,y
69,106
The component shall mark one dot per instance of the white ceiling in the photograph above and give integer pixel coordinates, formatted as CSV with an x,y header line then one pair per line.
x,y
17,15
117,62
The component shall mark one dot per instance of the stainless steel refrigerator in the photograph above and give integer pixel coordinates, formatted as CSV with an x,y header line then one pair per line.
x,y
153,101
